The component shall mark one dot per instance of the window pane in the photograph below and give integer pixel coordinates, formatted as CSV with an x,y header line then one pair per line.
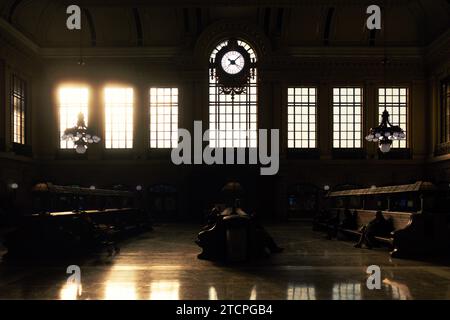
x,y
347,104
163,117
72,101
18,104
233,121
301,110
395,100
119,118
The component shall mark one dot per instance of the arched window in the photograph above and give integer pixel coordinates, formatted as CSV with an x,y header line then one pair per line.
x,y
233,98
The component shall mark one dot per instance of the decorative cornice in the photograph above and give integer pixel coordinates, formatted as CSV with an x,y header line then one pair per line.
x,y
439,50
8,30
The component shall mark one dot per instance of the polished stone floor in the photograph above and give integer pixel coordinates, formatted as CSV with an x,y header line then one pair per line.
x,y
162,265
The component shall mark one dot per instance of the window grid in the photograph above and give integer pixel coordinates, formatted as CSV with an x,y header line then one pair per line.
x,y
18,105
72,101
119,118
347,117
233,123
396,102
302,110
163,117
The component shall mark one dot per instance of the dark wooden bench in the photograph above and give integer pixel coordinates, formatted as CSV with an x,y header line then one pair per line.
x,y
399,221
406,238
61,233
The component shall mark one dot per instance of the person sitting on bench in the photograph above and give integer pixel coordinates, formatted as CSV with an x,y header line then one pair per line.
x,y
211,218
377,227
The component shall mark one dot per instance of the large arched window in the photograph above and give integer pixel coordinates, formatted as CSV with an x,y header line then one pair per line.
x,y
233,115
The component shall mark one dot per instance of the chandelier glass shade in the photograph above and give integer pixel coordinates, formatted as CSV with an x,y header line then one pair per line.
x,y
385,133
80,135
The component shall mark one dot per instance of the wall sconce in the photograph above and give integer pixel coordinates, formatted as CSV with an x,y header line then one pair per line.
x,y
326,187
14,186
138,188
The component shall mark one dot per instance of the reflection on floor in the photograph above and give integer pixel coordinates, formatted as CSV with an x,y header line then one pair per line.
x,y
163,265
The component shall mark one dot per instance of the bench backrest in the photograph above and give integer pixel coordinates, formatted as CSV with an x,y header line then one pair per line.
x,y
399,219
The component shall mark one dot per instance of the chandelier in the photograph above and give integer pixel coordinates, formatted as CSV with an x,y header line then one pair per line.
x,y
80,135
385,133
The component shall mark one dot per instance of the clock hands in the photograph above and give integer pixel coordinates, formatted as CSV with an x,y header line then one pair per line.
x,y
232,62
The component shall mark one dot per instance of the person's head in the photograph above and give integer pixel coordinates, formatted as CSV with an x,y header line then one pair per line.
x,y
379,215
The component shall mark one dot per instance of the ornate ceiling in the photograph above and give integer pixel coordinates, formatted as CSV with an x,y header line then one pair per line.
x,y
134,23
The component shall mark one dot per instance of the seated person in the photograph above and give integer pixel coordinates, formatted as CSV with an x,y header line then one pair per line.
x,y
377,227
213,240
211,218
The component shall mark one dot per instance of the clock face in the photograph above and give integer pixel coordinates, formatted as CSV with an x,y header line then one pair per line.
x,y
232,62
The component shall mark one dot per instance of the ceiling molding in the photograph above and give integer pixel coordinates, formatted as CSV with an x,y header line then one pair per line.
x,y
439,49
18,36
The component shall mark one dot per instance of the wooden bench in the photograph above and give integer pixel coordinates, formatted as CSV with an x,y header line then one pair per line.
x,y
406,238
399,221
65,233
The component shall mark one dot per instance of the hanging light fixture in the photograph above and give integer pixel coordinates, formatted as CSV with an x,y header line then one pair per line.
x,y
80,135
385,133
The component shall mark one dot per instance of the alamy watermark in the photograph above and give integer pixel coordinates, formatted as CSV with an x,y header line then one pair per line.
x,y
270,161
74,280
374,280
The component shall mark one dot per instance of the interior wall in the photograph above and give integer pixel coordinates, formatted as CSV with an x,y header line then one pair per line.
x,y
283,64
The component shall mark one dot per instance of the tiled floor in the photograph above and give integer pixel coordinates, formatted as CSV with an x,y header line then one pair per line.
x,y
162,265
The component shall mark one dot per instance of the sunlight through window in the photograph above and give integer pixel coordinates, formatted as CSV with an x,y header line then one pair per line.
x,y
72,101
163,117
347,117
301,118
119,118
233,122
396,102
18,105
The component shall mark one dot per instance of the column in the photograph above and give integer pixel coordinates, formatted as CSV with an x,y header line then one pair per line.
x,y
325,120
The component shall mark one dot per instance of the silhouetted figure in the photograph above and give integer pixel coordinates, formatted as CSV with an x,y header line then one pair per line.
x,y
377,227
235,223
211,217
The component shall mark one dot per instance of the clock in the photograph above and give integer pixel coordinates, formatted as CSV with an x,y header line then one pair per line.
x,y
233,68
232,62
